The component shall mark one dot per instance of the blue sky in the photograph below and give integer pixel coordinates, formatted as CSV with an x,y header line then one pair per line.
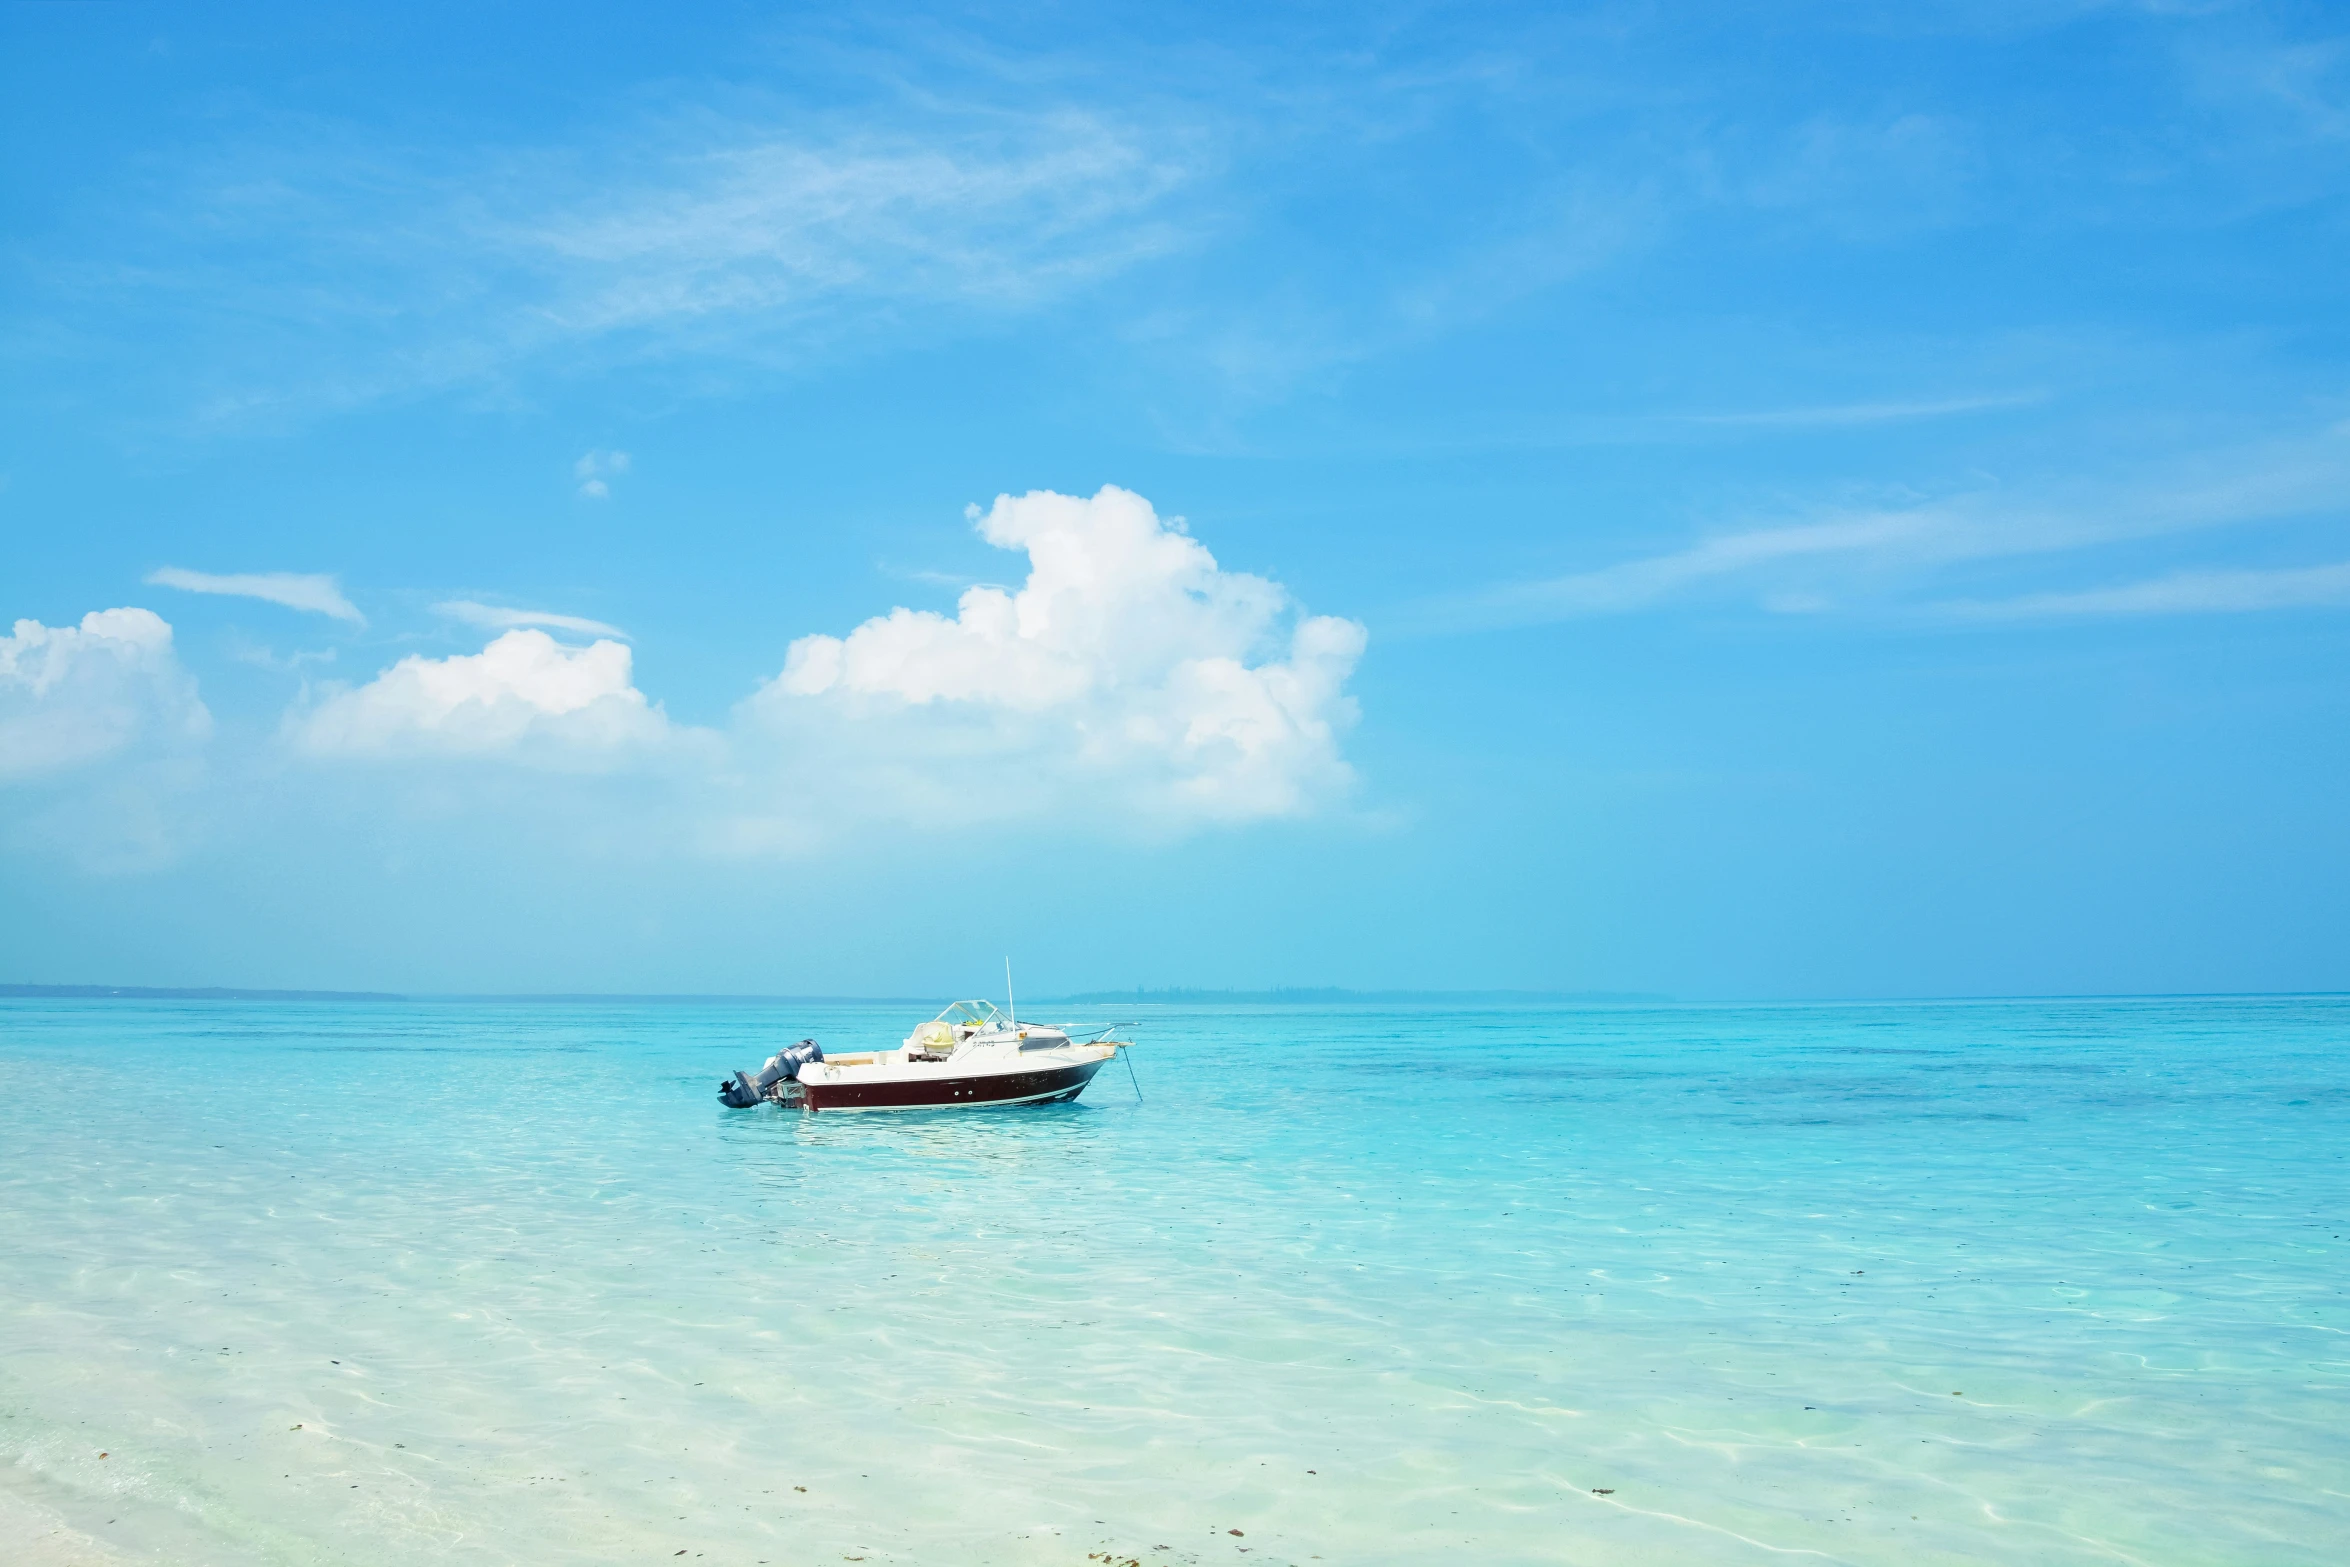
x,y
1851,501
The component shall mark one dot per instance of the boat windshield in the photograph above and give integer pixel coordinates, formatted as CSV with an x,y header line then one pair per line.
x,y
972,1014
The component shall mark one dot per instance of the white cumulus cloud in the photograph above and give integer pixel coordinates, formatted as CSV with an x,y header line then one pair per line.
x,y
314,594
594,469
1130,677
525,695
1129,685
70,695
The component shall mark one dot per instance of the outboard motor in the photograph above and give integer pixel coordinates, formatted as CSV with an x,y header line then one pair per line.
x,y
744,1089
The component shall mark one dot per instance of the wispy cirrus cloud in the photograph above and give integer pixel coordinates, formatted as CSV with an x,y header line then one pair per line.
x,y
755,223
2180,593
359,271
1877,556
312,593
358,274
500,617
1846,415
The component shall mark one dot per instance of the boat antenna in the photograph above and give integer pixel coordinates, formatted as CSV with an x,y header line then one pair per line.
x,y
1011,1011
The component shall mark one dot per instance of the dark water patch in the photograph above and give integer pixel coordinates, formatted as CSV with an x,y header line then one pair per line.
x,y
1885,1117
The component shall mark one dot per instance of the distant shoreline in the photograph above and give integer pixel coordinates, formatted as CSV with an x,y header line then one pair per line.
x,y
179,993
1291,996
224,993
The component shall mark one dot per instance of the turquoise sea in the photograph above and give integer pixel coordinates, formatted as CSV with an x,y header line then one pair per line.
x,y
2036,1282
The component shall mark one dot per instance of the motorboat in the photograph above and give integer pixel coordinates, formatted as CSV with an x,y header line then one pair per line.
x,y
968,1057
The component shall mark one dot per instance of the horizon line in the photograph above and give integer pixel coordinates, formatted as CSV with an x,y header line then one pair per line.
x,y
1297,995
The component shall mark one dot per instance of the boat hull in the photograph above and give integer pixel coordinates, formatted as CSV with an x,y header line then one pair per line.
x,y
1042,1086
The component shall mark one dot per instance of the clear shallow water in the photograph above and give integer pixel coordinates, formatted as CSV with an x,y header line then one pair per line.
x,y
2028,1282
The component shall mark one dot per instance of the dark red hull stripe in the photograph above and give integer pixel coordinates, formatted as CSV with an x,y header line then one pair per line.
x,y
1064,1082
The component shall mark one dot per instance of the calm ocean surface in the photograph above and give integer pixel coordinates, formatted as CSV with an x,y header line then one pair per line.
x,y
2035,1282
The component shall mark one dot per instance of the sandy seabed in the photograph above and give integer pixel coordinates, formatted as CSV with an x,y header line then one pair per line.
x,y
2031,1282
